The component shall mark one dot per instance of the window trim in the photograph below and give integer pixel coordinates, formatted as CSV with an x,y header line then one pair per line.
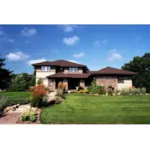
x,y
73,69
45,68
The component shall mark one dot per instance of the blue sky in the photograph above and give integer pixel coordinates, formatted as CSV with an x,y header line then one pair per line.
x,y
96,46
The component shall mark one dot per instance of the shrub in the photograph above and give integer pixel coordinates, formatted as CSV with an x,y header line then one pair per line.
x,y
60,93
80,88
58,99
110,92
40,81
143,90
62,86
84,91
133,91
39,92
102,91
117,92
94,88
29,116
126,92
3,104
138,91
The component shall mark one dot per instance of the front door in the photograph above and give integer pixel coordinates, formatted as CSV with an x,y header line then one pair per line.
x,y
73,83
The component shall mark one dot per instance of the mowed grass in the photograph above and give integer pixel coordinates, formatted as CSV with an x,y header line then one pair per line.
x,y
86,109
16,97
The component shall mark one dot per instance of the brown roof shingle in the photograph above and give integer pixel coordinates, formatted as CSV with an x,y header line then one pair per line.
x,y
110,70
61,63
70,75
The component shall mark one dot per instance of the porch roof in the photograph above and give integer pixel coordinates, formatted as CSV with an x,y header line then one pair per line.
x,y
70,75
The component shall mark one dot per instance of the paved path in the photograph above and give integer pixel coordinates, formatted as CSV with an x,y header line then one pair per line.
x,y
11,118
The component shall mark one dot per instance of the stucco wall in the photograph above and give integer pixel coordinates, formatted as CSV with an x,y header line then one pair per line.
x,y
126,84
52,84
43,74
82,83
44,81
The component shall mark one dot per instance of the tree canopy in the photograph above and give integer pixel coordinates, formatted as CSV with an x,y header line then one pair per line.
x,y
141,65
5,75
22,82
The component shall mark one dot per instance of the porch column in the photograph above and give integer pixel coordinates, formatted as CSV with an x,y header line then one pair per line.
x,y
52,84
82,83
65,81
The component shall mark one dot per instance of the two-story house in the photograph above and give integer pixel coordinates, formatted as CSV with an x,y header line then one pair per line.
x,y
75,75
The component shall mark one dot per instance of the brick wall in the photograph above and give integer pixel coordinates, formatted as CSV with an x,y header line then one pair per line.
x,y
106,82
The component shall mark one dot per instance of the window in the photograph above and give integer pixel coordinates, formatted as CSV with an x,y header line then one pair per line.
x,y
71,69
120,80
45,68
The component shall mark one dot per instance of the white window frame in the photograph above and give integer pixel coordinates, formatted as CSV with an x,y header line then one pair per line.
x,y
73,69
45,68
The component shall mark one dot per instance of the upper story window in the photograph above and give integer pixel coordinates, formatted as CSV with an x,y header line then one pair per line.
x,y
45,68
120,80
71,69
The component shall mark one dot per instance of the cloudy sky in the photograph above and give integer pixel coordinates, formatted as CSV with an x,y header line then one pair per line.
x,y
96,46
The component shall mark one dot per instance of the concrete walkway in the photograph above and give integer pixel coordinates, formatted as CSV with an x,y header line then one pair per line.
x,y
11,118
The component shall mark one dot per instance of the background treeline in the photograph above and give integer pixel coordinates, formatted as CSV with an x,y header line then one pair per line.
x,y
14,82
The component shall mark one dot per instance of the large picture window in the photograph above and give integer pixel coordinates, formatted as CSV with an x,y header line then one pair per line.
x,y
72,69
45,68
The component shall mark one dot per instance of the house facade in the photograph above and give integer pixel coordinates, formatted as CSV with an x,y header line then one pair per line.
x,y
75,75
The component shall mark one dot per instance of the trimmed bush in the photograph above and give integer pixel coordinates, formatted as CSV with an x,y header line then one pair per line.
x,y
143,90
138,91
29,116
133,91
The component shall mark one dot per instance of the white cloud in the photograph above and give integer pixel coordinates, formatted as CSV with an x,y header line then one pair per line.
x,y
28,32
78,55
71,40
114,55
17,56
69,28
33,61
11,40
74,61
97,42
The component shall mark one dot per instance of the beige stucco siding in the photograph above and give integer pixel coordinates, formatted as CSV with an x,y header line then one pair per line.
x,y
126,84
43,74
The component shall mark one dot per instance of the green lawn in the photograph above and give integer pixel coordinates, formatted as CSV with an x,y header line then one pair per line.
x,y
86,109
16,97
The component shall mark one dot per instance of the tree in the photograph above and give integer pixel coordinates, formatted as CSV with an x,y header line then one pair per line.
x,y
141,65
5,75
22,82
